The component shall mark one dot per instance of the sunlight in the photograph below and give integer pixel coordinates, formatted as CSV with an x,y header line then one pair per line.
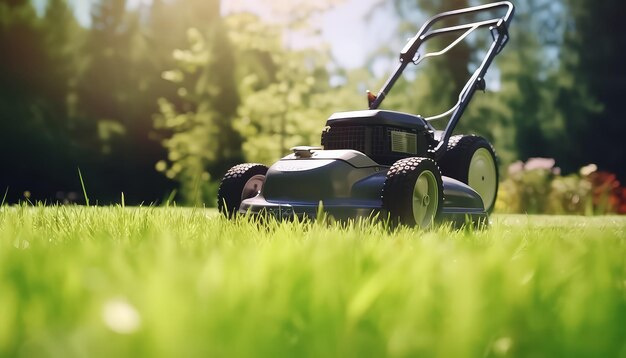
x,y
121,316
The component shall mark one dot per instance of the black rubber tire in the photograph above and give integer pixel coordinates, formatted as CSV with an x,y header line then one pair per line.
x,y
456,162
231,191
397,194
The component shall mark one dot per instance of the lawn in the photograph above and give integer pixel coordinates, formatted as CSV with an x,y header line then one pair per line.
x,y
174,282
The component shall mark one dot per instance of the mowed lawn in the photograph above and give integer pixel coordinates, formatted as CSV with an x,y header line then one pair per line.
x,y
174,282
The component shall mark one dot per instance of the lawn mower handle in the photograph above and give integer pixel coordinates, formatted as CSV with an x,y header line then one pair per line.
x,y
499,31
410,49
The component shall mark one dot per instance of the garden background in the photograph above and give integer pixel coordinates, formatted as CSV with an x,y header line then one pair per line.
x,y
154,100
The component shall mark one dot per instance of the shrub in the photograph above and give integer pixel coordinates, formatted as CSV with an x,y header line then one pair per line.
x,y
537,187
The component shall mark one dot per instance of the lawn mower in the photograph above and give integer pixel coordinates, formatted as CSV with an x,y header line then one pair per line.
x,y
384,163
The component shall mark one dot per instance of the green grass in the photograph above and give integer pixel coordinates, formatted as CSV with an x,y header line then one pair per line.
x,y
172,282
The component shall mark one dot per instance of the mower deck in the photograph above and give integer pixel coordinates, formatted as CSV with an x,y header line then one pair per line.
x,y
347,184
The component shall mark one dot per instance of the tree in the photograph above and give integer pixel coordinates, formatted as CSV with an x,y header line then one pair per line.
x,y
593,81
529,124
61,36
245,94
199,136
286,96
115,106
33,131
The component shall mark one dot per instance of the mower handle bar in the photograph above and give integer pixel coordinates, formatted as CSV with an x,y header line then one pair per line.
x,y
499,31
408,52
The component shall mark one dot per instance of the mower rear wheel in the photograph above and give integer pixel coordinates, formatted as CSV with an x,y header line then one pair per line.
x,y
472,160
240,182
413,192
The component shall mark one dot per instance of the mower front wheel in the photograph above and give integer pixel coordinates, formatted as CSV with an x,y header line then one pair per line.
x,y
413,192
240,182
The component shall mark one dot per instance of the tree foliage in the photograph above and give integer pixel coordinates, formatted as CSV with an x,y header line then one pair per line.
x,y
34,133
280,107
202,141
592,83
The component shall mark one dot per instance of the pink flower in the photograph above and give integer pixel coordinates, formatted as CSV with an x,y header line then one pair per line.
x,y
539,163
516,167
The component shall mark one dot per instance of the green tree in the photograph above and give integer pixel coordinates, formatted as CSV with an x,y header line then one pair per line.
x,y
592,84
286,92
33,133
201,142
245,94
115,106
527,123
61,34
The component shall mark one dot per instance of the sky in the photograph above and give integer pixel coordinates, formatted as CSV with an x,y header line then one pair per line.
x,y
351,36
346,28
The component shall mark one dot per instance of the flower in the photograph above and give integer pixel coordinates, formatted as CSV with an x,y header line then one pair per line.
x,y
516,167
539,163
588,169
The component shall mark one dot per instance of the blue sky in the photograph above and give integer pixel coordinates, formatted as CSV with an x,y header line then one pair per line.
x,y
346,28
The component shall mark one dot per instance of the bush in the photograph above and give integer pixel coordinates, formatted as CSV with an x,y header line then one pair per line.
x,y
537,187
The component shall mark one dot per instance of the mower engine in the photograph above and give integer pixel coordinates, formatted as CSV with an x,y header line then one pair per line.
x,y
384,136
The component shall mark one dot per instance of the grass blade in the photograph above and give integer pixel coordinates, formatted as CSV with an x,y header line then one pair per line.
x,y
82,184
4,198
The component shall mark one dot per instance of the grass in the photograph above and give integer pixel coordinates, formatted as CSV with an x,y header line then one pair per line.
x,y
173,282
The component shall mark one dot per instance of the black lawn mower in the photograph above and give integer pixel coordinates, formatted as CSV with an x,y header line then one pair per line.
x,y
386,163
